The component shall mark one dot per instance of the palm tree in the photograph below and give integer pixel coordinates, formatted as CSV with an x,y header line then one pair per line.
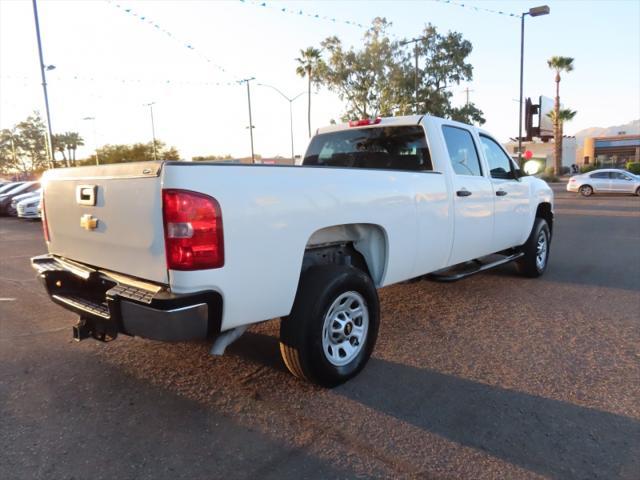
x,y
558,64
308,61
60,144
74,140
558,118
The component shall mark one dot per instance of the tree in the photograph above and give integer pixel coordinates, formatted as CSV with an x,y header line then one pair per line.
x,y
308,61
67,143
60,145
31,144
8,151
379,79
558,64
138,152
212,158
558,118
74,140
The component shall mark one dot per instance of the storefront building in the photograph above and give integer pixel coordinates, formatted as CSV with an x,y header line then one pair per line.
x,y
615,151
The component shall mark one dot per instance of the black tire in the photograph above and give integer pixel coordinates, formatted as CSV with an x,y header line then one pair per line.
x,y
638,192
302,332
586,190
528,265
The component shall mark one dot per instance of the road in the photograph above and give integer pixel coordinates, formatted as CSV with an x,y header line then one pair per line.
x,y
495,376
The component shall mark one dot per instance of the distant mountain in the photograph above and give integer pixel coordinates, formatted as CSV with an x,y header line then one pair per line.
x,y
631,128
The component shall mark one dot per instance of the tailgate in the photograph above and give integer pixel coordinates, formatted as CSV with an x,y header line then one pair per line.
x,y
108,217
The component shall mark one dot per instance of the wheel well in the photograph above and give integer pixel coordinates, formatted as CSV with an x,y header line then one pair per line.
x,y
362,245
544,211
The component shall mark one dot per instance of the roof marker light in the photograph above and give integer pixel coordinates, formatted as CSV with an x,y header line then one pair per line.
x,y
364,122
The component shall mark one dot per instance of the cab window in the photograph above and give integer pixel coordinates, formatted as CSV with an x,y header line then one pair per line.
x,y
384,148
462,151
499,162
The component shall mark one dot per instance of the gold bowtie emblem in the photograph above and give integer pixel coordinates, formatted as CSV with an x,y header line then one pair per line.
x,y
88,222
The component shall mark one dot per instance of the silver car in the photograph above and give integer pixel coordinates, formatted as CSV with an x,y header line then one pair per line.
x,y
608,180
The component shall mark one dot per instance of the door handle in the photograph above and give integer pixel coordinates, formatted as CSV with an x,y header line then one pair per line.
x,y
463,193
501,193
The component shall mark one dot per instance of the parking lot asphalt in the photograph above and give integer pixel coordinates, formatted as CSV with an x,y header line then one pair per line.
x,y
495,376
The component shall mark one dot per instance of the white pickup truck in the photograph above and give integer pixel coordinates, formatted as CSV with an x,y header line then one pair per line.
x,y
179,251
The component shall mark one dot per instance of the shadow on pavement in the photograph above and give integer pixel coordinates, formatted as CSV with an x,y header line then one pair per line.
x,y
65,414
546,436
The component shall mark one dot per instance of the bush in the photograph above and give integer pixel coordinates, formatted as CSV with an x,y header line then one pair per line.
x,y
565,170
633,167
549,175
589,168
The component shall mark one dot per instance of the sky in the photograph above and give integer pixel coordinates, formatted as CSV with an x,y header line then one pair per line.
x,y
110,63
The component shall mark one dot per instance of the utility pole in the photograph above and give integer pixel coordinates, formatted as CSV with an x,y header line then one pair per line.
x,y
13,151
290,100
416,53
44,83
467,91
250,127
153,129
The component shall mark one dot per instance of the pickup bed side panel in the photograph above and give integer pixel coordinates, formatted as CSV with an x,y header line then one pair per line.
x,y
269,214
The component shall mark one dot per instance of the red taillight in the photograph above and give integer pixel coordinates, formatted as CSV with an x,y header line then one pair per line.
x,y
45,225
364,122
192,230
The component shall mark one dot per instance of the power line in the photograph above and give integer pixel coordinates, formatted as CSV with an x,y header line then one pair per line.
x,y
478,9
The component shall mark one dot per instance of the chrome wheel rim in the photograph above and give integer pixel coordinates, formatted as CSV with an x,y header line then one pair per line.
x,y
586,191
541,250
345,327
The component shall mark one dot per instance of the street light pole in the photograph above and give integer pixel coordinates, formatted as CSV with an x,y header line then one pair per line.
x,y
247,80
533,12
44,84
95,136
416,52
290,100
153,129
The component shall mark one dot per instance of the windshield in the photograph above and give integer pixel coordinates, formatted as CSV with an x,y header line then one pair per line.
x,y
388,148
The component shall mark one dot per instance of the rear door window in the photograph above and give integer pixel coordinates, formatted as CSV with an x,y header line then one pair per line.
x,y
600,175
620,176
462,151
386,148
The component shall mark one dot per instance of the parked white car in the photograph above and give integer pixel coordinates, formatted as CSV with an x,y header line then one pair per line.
x,y
12,209
186,250
29,207
609,180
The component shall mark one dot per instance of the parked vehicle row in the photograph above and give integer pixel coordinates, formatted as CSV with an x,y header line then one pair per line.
x,y
608,180
21,199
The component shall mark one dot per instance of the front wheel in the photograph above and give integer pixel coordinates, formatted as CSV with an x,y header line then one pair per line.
x,y
536,250
332,329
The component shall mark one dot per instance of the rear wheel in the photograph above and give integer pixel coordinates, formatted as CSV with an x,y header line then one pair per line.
x,y
332,329
638,192
586,190
536,250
